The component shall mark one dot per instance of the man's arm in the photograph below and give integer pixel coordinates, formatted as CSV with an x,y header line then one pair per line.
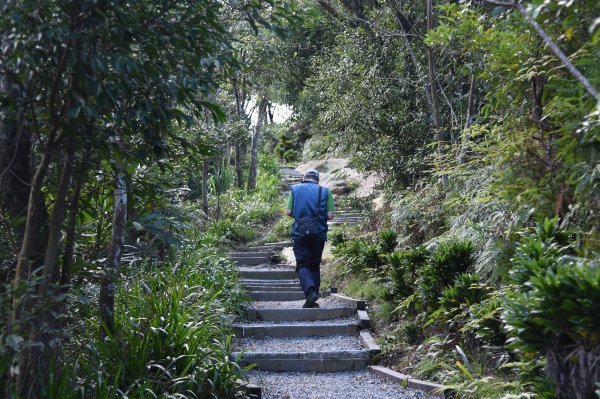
x,y
330,205
290,205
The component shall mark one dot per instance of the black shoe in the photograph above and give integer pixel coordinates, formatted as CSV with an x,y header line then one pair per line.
x,y
311,299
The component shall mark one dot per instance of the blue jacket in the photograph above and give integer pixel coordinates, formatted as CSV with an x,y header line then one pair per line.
x,y
305,204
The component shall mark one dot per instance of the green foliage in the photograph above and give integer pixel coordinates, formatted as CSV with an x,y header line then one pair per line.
x,y
228,230
337,237
285,149
388,240
447,261
553,311
172,334
486,323
358,256
221,178
418,216
281,231
539,252
466,291
403,266
267,165
368,290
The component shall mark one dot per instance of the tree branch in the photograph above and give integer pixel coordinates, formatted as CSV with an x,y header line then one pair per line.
x,y
553,46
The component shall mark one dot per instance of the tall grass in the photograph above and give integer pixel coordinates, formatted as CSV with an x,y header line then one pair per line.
x,y
172,335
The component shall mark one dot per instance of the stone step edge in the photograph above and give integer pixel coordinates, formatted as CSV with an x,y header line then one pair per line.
x,y
272,288
359,304
276,296
296,314
268,274
258,331
277,244
369,342
321,355
308,365
365,321
270,283
250,255
431,388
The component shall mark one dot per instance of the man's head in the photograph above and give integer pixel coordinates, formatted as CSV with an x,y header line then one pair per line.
x,y
312,175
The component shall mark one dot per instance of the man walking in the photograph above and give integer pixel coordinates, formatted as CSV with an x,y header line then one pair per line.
x,y
311,205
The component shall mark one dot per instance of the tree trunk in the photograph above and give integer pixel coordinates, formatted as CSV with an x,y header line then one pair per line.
x,y
262,109
44,302
70,235
239,171
108,286
28,377
205,187
470,110
239,108
56,223
435,108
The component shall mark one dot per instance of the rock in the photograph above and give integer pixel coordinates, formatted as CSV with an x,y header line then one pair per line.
x,y
340,178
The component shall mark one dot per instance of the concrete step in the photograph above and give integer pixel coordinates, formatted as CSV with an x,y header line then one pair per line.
x,y
250,260
278,244
262,248
277,295
269,274
273,288
251,254
338,223
349,214
320,362
299,314
259,331
292,283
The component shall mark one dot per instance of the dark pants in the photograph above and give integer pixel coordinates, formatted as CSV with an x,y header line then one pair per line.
x,y
308,252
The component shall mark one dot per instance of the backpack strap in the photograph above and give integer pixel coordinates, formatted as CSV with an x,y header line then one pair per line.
x,y
319,202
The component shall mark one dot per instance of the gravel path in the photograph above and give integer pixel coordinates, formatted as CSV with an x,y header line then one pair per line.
x,y
304,344
344,385
324,303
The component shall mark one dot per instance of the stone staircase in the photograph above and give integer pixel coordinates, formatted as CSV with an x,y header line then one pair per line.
x,y
279,335
321,352
346,217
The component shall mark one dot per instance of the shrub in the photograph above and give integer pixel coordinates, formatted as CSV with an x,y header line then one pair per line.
x,y
451,258
403,266
172,334
337,237
229,230
446,262
554,313
539,251
388,239
485,321
467,290
280,231
359,256
371,258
